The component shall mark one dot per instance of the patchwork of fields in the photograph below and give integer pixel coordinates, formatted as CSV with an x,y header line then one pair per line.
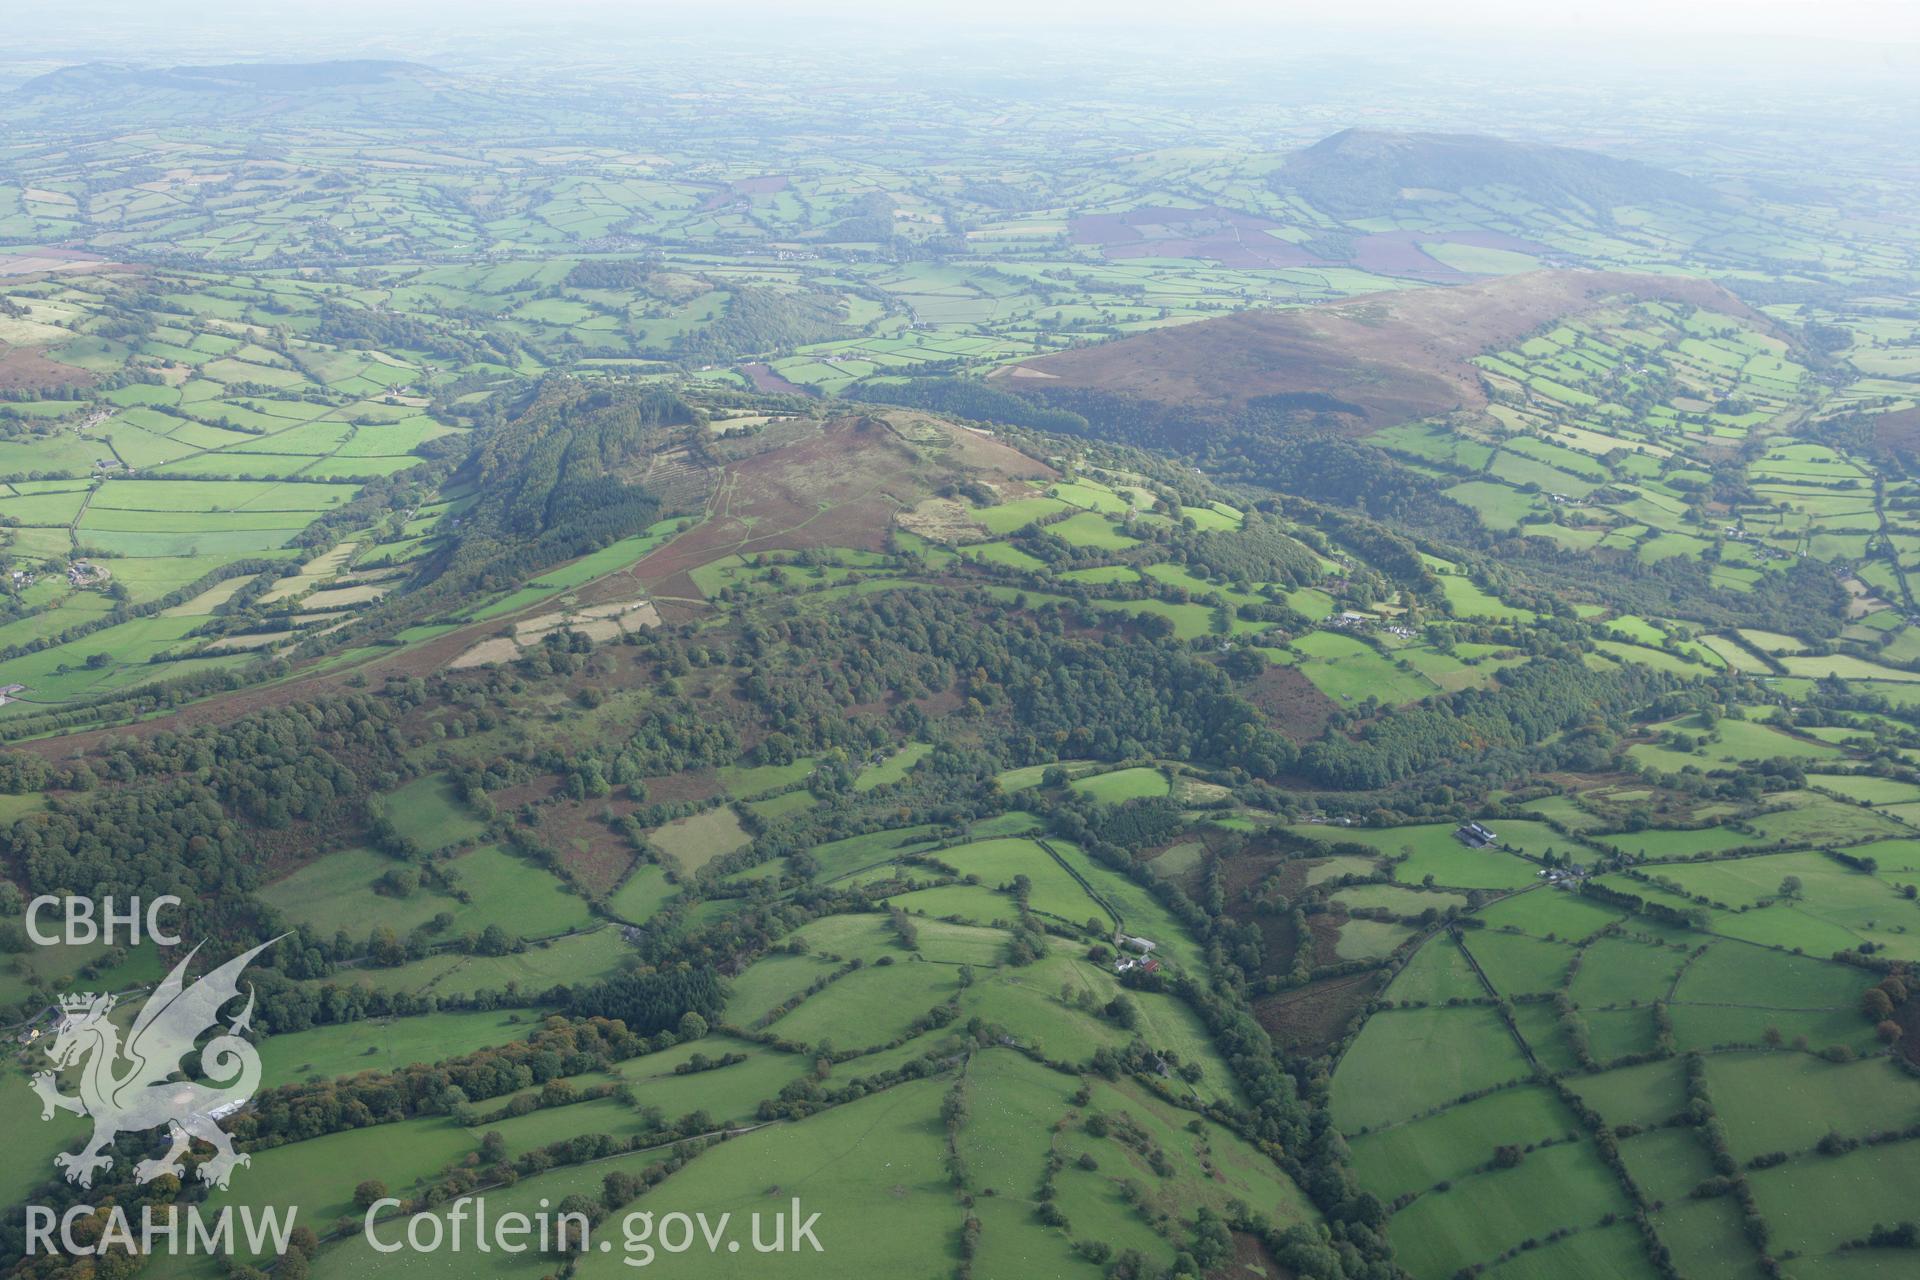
x,y
853,1020
1573,1062
217,452
620,578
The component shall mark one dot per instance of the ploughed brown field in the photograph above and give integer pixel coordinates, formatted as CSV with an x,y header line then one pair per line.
x,y
26,369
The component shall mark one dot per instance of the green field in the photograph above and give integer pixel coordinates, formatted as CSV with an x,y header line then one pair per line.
x,y
348,890
1406,1062
869,1008
893,768
540,966
1433,850
386,1044
996,863
428,815
694,842
1122,784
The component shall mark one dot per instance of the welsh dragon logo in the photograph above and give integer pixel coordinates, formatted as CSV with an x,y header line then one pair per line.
x,y
127,1089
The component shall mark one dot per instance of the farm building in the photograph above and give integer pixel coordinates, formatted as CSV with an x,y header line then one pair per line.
x,y
1474,836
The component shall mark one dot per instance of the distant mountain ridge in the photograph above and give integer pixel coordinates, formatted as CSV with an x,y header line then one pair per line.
x,y
1363,173
251,77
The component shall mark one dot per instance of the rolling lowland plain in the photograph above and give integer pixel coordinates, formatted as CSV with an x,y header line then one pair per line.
x,y
961,689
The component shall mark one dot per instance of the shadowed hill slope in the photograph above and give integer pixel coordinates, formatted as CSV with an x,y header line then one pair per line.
x,y
1365,173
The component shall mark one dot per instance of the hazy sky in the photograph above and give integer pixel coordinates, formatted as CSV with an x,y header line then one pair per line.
x,y
1640,19
1861,20
1811,39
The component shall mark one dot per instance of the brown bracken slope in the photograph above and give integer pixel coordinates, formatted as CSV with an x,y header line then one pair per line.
x,y
1377,360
